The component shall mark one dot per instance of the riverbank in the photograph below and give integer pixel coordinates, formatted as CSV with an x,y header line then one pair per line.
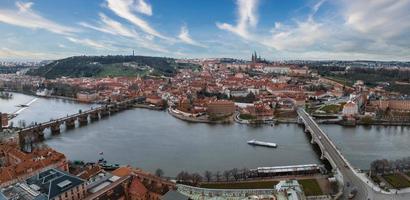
x,y
50,96
202,119
149,107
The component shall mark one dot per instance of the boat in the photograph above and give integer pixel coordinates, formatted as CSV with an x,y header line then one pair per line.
x,y
22,105
264,144
107,166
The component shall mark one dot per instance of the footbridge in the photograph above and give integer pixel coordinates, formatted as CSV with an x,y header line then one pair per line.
x,y
344,171
35,132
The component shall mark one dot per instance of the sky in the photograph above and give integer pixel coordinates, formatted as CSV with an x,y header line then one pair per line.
x,y
276,29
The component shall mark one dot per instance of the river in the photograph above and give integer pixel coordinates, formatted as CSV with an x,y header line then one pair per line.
x,y
154,139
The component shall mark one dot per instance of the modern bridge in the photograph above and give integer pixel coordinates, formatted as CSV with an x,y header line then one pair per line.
x,y
344,171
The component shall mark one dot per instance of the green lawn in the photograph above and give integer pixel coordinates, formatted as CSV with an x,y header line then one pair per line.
x,y
341,80
241,185
311,187
331,109
120,70
408,174
397,181
246,117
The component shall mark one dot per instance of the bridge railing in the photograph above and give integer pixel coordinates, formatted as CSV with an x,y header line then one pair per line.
x,y
325,136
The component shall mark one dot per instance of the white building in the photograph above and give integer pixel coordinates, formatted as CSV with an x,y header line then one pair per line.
x,y
350,109
291,188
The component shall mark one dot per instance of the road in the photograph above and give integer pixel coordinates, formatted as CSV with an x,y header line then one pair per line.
x,y
365,189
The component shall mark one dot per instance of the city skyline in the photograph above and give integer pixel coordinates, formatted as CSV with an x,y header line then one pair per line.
x,y
314,30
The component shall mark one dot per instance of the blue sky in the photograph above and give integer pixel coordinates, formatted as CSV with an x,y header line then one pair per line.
x,y
277,29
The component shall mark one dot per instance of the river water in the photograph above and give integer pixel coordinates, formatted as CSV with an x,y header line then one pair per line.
x,y
154,139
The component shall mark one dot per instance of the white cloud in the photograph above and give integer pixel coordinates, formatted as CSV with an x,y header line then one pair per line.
x,y
380,19
87,42
360,29
186,38
110,26
283,37
124,9
26,17
12,54
143,7
24,6
247,18
317,6
298,37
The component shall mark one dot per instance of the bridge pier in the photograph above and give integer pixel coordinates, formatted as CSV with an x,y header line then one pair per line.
x,y
83,120
322,156
122,107
114,109
39,134
55,128
312,141
130,104
104,113
94,116
70,123
306,130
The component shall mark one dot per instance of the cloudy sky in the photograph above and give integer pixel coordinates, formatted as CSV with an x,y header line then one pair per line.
x,y
277,29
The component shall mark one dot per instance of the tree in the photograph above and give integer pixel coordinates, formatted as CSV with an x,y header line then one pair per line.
x,y
208,175
235,173
159,172
367,120
227,175
196,178
180,176
245,173
218,175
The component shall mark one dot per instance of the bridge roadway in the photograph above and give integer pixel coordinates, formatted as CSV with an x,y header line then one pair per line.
x,y
366,190
62,119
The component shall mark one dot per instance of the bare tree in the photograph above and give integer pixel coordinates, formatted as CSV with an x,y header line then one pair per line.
x,y
235,173
196,178
388,166
245,173
218,176
227,175
184,176
180,176
208,175
159,172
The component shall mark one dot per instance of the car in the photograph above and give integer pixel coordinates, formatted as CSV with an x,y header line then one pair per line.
x,y
352,193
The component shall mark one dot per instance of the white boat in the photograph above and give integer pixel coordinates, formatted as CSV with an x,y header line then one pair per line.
x,y
260,143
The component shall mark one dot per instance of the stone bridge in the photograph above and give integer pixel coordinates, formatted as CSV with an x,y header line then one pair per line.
x,y
35,133
343,170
